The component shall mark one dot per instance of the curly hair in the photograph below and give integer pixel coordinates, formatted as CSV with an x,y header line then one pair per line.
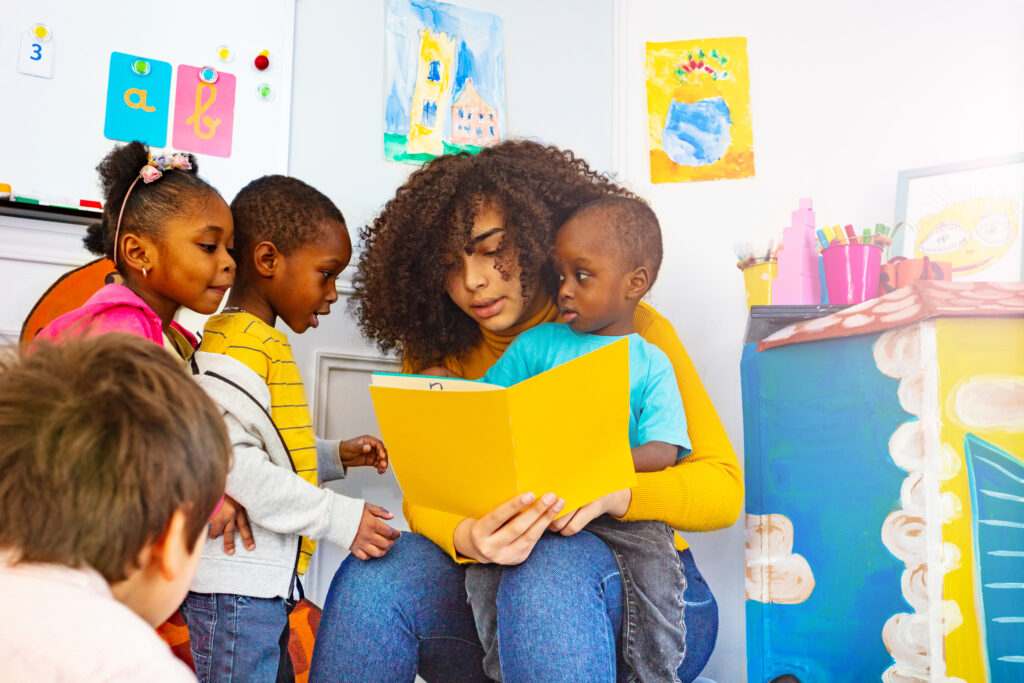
x,y
149,205
282,210
401,299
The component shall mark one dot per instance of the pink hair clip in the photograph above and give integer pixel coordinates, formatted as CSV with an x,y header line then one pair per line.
x,y
149,174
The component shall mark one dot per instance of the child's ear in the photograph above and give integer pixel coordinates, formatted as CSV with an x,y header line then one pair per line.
x,y
266,259
638,282
170,553
137,252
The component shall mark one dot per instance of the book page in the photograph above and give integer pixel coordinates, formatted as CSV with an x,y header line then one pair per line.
x,y
426,382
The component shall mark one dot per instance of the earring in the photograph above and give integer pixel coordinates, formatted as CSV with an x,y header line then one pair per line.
x,y
144,273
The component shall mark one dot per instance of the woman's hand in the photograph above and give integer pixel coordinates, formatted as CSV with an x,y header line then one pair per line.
x,y
507,534
615,504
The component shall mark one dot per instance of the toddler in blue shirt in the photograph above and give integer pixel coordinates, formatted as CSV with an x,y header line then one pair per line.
x,y
607,256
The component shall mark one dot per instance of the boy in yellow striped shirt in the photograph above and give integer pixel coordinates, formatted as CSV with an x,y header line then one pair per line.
x,y
291,244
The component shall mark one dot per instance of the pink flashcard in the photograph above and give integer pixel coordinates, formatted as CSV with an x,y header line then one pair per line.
x,y
204,111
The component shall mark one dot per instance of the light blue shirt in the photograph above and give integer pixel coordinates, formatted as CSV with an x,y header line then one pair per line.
x,y
655,407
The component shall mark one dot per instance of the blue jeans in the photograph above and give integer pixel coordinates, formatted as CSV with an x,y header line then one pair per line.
x,y
238,638
560,615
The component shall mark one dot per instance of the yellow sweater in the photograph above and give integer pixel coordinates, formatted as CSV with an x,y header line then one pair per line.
x,y
703,492
266,352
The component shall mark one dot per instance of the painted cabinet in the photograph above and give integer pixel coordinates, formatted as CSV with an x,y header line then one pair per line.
x,y
885,490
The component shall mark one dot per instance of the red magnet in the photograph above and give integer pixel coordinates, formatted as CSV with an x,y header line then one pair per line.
x,y
262,60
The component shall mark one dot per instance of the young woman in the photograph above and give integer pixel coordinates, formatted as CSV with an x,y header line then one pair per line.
x,y
454,268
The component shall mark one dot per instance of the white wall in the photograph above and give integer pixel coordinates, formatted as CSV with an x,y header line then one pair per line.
x,y
844,94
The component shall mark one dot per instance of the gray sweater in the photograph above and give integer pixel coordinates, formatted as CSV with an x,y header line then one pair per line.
x,y
281,505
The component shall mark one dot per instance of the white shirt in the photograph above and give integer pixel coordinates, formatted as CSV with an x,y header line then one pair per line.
x,y
63,624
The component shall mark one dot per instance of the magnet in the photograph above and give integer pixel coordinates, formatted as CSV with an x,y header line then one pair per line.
x,y
140,67
262,60
208,74
225,54
265,92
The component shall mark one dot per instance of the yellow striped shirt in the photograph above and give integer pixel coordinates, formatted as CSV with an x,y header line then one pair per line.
x,y
266,352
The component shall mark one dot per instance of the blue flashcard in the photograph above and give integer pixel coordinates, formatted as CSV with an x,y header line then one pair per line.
x,y
138,99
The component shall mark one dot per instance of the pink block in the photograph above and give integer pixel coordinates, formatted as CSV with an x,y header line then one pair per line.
x,y
796,290
806,204
797,238
798,262
804,218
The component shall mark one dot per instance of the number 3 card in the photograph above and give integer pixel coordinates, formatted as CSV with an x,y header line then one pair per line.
x,y
36,56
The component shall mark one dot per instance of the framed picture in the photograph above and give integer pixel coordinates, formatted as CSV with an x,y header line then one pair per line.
x,y
968,214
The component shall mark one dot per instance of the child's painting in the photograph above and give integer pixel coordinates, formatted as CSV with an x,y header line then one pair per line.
x,y
445,80
698,110
969,215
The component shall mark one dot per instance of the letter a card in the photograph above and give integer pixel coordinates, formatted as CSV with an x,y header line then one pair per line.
x,y
204,111
138,99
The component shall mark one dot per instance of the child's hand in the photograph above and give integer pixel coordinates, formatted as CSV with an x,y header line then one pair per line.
x,y
366,451
230,518
374,537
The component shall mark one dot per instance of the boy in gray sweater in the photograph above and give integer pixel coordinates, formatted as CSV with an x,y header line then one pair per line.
x,y
290,245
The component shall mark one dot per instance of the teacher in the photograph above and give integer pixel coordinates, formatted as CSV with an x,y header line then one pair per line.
x,y
453,269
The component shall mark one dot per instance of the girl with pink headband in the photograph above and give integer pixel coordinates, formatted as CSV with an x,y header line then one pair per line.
x,y
169,234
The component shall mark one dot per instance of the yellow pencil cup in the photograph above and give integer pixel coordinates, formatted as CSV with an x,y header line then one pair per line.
x,y
757,278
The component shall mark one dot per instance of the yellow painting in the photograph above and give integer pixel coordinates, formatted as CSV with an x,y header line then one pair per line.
x,y
698,110
981,391
968,215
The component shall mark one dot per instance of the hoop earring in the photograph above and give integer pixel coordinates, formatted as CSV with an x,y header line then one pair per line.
x,y
144,273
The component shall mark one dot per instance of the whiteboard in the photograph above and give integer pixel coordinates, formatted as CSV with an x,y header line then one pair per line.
x,y
51,129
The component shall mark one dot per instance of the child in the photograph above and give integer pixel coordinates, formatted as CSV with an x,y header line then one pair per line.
x,y
168,233
607,256
112,461
292,243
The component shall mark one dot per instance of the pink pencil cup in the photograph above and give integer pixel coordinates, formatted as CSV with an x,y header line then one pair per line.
x,y
851,272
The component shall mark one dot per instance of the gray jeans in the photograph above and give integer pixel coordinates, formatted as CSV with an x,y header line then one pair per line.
x,y
653,583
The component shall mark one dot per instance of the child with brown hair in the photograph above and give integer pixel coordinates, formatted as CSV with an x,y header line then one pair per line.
x,y
291,244
113,460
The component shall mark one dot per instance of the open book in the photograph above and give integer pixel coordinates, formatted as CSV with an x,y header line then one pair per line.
x,y
466,447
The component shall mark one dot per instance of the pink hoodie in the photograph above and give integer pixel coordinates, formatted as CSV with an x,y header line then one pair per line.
x,y
113,308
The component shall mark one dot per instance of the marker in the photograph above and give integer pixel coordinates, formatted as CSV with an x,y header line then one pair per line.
x,y
90,204
837,235
867,236
882,228
822,239
850,233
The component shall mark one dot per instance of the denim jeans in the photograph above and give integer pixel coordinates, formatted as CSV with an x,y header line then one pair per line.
x,y
560,616
238,638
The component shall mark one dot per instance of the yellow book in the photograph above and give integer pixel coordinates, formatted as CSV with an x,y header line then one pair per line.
x,y
466,447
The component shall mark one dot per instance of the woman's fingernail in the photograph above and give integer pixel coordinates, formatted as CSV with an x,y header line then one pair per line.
x,y
559,505
548,498
528,498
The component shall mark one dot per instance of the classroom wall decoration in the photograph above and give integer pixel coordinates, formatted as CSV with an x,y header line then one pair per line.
x,y
698,108
204,111
969,214
445,80
179,76
911,407
138,99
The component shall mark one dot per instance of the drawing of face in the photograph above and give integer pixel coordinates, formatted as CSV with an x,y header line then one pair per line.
x,y
972,235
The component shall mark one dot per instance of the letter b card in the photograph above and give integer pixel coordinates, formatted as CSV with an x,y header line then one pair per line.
x,y
138,99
